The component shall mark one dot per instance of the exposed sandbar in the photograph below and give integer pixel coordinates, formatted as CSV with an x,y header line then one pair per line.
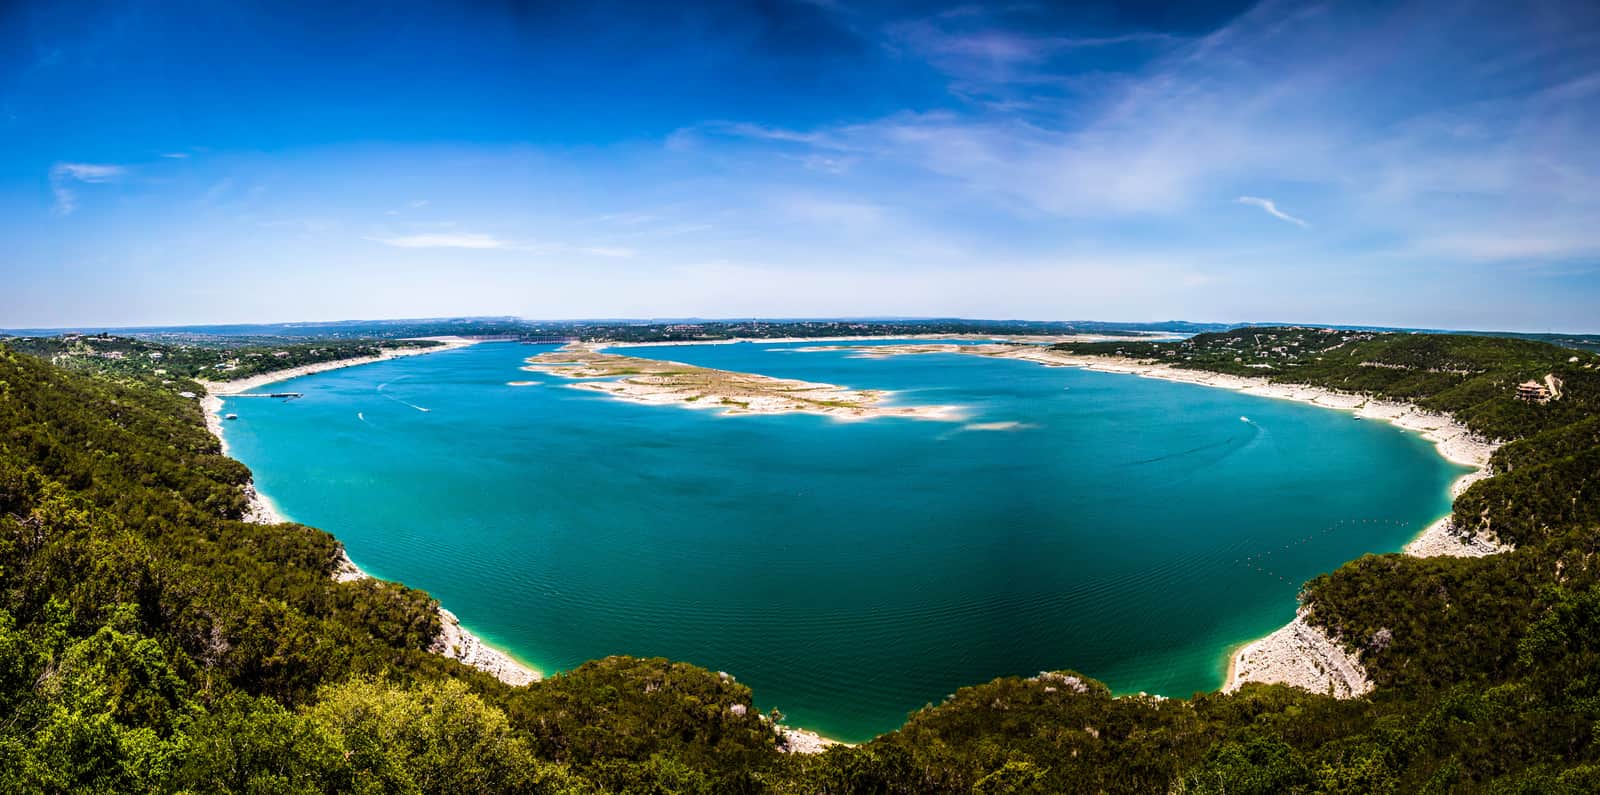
x,y
674,383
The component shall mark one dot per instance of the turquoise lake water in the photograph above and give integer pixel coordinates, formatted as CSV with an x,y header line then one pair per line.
x,y
849,572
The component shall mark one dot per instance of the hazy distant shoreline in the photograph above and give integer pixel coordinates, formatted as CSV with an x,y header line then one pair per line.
x,y
249,382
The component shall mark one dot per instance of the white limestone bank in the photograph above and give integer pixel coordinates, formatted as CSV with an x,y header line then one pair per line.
x,y
1302,655
1443,539
803,741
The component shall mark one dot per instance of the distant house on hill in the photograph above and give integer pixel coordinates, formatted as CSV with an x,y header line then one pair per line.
x,y
1533,392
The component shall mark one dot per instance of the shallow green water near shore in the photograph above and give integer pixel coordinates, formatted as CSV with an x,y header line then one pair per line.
x,y
849,572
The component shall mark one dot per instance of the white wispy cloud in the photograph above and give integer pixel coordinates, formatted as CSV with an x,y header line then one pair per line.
x,y
828,211
415,204
476,240
175,155
938,40
1282,93
1272,209
443,240
825,164
607,251
628,219
217,190
64,176
308,226
747,130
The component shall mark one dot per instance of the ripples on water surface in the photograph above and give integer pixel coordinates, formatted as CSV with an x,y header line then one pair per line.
x,y
849,572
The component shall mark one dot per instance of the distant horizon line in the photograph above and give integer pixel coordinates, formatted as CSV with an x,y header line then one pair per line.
x,y
1128,324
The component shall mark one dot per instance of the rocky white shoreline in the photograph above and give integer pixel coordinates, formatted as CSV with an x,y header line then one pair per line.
x,y
1302,655
804,741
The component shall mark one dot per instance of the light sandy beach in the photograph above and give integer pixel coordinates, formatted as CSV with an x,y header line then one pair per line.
x,y
1301,655
804,741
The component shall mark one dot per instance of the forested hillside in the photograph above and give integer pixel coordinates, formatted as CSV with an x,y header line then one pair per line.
x,y
152,642
177,363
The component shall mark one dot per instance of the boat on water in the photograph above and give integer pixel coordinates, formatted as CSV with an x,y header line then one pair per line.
x,y
231,417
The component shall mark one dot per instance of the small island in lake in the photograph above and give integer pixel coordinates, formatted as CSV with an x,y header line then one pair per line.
x,y
656,381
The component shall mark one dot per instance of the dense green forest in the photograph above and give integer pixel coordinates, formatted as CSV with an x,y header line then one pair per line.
x,y
150,641
177,363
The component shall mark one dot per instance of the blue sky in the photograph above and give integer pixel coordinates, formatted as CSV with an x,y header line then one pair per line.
x,y
1422,164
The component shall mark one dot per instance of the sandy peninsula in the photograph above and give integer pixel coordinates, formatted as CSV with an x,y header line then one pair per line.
x,y
674,383
1299,653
